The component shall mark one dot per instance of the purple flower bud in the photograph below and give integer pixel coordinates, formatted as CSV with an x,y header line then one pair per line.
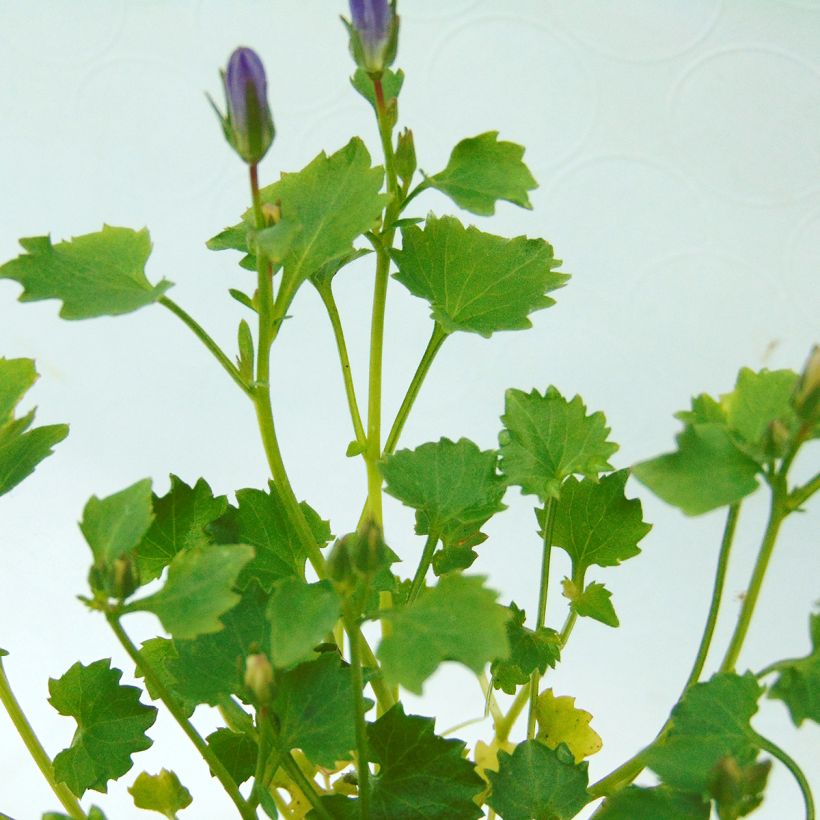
x,y
373,34
248,124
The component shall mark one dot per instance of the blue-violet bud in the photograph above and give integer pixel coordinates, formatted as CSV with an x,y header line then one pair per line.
x,y
248,124
373,34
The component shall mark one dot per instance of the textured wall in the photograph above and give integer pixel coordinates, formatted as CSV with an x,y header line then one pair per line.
x,y
677,146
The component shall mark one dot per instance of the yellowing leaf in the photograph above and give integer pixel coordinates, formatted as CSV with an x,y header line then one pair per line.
x,y
559,721
486,755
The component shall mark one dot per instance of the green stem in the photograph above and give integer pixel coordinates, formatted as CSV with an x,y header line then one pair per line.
x,y
362,764
307,787
422,186
151,677
433,347
262,755
776,515
424,565
229,367
800,495
717,594
777,666
504,726
623,775
35,748
261,396
489,696
549,524
566,629
236,718
326,293
385,696
803,783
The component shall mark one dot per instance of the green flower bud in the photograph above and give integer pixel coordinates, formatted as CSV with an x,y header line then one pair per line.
x,y
259,676
405,157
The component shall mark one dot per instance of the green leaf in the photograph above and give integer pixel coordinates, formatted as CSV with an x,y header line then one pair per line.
x,y
635,803
234,238
158,654
483,170
261,520
276,241
21,451
324,276
454,487
114,525
335,199
710,722
457,620
392,82
237,752
421,776
98,274
199,590
798,685
529,650
757,400
180,518
476,281
547,438
161,792
111,725
538,782
212,666
94,814
738,791
594,602
301,615
596,523
315,709
706,472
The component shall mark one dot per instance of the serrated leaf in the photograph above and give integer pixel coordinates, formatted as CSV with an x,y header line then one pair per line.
x,y
180,518
237,752
594,602
161,792
199,590
421,776
314,706
476,281
21,449
212,666
392,82
261,520
97,274
559,721
111,725
481,171
596,523
335,199
538,782
635,803
798,684
159,653
705,451
529,650
710,722
456,559
454,487
301,615
114,525
457,620
547,438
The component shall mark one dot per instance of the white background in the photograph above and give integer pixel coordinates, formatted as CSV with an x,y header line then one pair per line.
x,y
677,147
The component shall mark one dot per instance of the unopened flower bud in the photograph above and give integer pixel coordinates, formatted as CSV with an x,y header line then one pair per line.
x,y
405,157
248,124
120,579
373,34
369,552
340,565
259,676
807,393
272,211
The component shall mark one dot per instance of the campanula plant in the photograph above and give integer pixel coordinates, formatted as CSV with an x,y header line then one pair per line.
x,y
313,720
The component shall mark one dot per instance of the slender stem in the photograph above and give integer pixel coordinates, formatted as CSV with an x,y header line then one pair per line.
x,y
262,755
800,495
777,666
326,293
229,367
219,771
776,516
306,786
385,696
775,751
424,565
433,347
362,764
422,186
717,594
566,629
35,748
504,726
624,774
261,396
549,524
492,705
